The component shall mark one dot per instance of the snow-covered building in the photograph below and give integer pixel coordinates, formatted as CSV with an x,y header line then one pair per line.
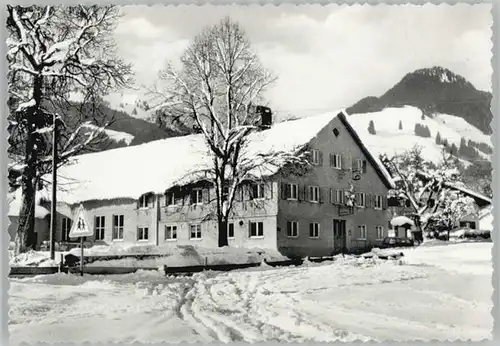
x,y
147,194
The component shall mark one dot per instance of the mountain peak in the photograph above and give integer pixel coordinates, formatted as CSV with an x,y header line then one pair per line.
x,y
434,90
440,74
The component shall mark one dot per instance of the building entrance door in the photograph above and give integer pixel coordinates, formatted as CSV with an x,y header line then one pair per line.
x,y
339,236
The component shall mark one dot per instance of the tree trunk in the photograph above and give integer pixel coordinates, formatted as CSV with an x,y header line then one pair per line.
x,y
26,228
26,236
222,225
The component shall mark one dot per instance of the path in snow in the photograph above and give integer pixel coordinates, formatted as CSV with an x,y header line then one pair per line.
x,y
345,301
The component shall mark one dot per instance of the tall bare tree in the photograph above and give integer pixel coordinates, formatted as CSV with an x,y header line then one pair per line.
x,y
56,53
216,92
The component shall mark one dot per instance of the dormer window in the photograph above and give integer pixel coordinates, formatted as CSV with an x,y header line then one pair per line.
x,y
146,201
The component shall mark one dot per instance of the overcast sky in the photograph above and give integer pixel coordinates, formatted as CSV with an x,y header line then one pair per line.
x,y
325,57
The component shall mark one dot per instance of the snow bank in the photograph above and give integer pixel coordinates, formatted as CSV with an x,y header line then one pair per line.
x,y
36,259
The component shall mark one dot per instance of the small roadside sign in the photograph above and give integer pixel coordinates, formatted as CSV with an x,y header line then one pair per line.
x,y
81,227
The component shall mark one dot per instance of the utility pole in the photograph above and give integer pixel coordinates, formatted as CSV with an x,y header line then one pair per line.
x,y
53,222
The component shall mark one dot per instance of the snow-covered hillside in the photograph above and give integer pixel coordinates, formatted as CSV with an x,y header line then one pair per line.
x,y
390,139
116,136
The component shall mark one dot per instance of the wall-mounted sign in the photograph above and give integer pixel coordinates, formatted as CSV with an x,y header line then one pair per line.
x,y
356,175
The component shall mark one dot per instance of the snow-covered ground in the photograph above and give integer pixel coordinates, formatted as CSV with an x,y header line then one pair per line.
x,y
435,292
182,255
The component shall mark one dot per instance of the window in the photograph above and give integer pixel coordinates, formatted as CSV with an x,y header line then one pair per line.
x,y
380,232
336,161
257,191
195,232
197,196
99,225
360,199
170,233
65,228
230,230
172,199
118,227
340,197
142,233
313,193
315,157
256,229
362,231
291,191
314,230
145,201
360,165
292,229
378,202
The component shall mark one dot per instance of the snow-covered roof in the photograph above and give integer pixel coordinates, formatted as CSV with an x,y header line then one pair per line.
x,y
469,192
15,203
158,165
401,221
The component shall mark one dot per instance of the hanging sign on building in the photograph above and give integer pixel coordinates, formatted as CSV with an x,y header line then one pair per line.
x,y
81,227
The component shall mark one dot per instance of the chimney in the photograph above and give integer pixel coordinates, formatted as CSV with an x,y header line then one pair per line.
x,y
266,116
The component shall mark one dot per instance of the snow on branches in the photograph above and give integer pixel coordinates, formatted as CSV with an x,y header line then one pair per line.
x,y
53,54
420,182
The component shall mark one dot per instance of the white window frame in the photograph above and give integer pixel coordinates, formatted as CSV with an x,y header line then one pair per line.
x,y
340,196
99,228
197,232
378,202
198,193
359,164
142,233
293,226
144,202
293,187
316,230
260,188
314,192
118,229
362,232
337,161
228,227
257,229
380,232
364,199
170,230
315,156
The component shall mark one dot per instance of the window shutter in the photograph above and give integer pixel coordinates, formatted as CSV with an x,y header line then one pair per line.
x,y
320,193
364,166
311,227
300,193
320,157
332,197
288,190
283,190
331,160
354,164
306,193
384,202
269,189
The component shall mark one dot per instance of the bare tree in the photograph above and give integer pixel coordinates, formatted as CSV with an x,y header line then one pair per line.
x,y
216,93
56,53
